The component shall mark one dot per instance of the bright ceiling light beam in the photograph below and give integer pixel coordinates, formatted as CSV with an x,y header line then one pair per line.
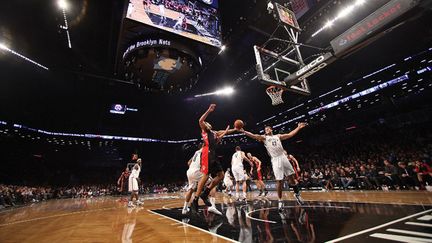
x,y
4,47
343,13
222,49
224,91
62,4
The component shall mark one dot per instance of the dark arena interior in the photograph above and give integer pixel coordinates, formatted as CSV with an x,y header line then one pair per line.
x,y
216,121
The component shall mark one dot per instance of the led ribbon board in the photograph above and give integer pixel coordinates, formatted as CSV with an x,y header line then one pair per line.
x,y
370,25
354,37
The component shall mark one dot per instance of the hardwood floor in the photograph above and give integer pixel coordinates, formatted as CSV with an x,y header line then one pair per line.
x,y
109,220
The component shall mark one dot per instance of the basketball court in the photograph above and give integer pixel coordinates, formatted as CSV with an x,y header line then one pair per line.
x,y
327,217
329,102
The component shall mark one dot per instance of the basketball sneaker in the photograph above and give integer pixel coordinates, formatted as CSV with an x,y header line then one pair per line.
x,y
261,192
194,206
265,193
185,210
280,206
130,204
299,199
204,197
214,210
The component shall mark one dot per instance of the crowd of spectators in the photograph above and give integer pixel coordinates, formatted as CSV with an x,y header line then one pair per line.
x,y
13,195
377,160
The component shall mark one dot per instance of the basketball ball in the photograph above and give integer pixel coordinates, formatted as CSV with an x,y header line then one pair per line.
x,y
238,124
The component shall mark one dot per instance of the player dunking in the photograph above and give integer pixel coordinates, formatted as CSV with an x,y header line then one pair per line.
x,y
280,163
238,172
256,174
209,163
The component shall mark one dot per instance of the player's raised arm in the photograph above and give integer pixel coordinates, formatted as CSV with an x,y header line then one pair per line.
x,y
204,116
291,134
254,136
227,131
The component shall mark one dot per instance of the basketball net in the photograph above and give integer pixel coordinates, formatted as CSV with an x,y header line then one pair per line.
x,y
275,94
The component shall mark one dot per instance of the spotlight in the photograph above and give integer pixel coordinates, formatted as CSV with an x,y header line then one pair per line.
x,y
345,12
225,91
222,49
328,24
62,4
4,47
360,2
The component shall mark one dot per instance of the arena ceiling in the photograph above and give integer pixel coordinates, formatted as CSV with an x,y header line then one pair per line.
x,y
82,83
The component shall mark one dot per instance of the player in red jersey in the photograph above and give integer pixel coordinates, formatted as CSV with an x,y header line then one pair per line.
x,y
256,174
209,163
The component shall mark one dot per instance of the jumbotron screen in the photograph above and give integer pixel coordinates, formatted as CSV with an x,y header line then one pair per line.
x,y
197,20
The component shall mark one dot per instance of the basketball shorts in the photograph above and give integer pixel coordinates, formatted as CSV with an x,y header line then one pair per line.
x,y
238,173
281,167
228,182
194,177
257,175
133,184
209,163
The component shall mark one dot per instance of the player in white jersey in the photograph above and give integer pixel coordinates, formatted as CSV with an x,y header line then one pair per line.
x,y
133,183
238,171
228,182
280,163
194,175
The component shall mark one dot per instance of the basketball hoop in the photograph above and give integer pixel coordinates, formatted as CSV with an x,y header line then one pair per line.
x,y
275,94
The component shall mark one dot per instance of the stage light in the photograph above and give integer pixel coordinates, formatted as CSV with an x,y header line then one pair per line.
x,y
62,4
222,49
4,47
328,24
225,91
360,2
343,13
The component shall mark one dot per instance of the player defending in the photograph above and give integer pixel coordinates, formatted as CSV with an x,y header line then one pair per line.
x,y
209,163
238,171
257,175
280,163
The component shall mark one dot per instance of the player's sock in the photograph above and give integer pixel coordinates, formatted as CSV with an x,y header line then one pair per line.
x,y
185,205
237,195
213,201
244,194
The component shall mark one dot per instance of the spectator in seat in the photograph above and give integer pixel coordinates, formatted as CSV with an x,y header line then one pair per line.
x,y
391,178
328,179
347,177
424,173
363,177
407,176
